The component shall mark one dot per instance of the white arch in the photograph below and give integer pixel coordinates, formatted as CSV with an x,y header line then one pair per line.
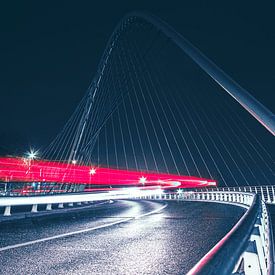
x,y
243,97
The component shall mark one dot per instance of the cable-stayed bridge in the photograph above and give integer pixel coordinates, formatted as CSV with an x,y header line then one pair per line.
x,y
157,115
153,106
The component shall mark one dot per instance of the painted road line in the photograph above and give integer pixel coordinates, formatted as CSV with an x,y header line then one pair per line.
x,y
79,231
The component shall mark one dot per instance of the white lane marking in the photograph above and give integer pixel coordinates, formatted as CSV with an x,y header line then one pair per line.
x,y
151,212
79,231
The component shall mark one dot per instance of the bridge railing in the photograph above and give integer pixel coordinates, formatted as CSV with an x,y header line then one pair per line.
x,y
62,200
266,192
8,203
247,248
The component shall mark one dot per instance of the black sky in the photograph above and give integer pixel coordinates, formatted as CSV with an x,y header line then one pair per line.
x,y
50,50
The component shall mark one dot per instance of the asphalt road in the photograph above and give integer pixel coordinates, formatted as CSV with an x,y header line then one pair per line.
x,y
117,238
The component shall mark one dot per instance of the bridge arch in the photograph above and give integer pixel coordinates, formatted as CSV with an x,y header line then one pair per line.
x,y
242,96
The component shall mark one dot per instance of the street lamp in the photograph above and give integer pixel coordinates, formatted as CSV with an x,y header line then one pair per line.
x,y
32,154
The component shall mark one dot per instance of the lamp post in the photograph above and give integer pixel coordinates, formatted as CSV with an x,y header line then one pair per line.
x,y
31,155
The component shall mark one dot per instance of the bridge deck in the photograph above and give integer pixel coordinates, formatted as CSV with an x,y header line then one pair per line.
x,y
169,242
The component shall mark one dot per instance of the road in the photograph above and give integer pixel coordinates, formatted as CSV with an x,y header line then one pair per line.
x,y
123,237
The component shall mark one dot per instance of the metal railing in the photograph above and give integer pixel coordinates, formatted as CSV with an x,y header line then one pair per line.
x,y
247,248
61,199
66,199
266,192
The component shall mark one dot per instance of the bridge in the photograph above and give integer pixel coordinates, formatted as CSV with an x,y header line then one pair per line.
x,y
160,123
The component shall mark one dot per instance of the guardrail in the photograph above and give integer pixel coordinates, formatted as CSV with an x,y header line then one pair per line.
x,y
247,248
68,199
266,192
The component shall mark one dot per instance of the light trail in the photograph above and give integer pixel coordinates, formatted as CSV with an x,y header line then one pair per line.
x,y
32,170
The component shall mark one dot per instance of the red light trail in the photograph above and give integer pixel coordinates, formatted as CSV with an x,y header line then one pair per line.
x,y
31,170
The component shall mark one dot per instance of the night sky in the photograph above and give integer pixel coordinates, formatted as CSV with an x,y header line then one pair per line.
x,y
50,51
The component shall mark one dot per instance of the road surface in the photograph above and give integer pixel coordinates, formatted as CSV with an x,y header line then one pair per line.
x,y
122,237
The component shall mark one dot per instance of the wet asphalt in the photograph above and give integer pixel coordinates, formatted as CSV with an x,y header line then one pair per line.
x,y
168,242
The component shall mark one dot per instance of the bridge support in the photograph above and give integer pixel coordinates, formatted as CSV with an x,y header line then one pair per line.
x,y
7,211
60,205
71,204
49,207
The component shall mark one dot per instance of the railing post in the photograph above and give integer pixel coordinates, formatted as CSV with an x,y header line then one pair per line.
x,y
247,200
268,195
225,197
34,208
239,198
262,193
242,200
7,211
